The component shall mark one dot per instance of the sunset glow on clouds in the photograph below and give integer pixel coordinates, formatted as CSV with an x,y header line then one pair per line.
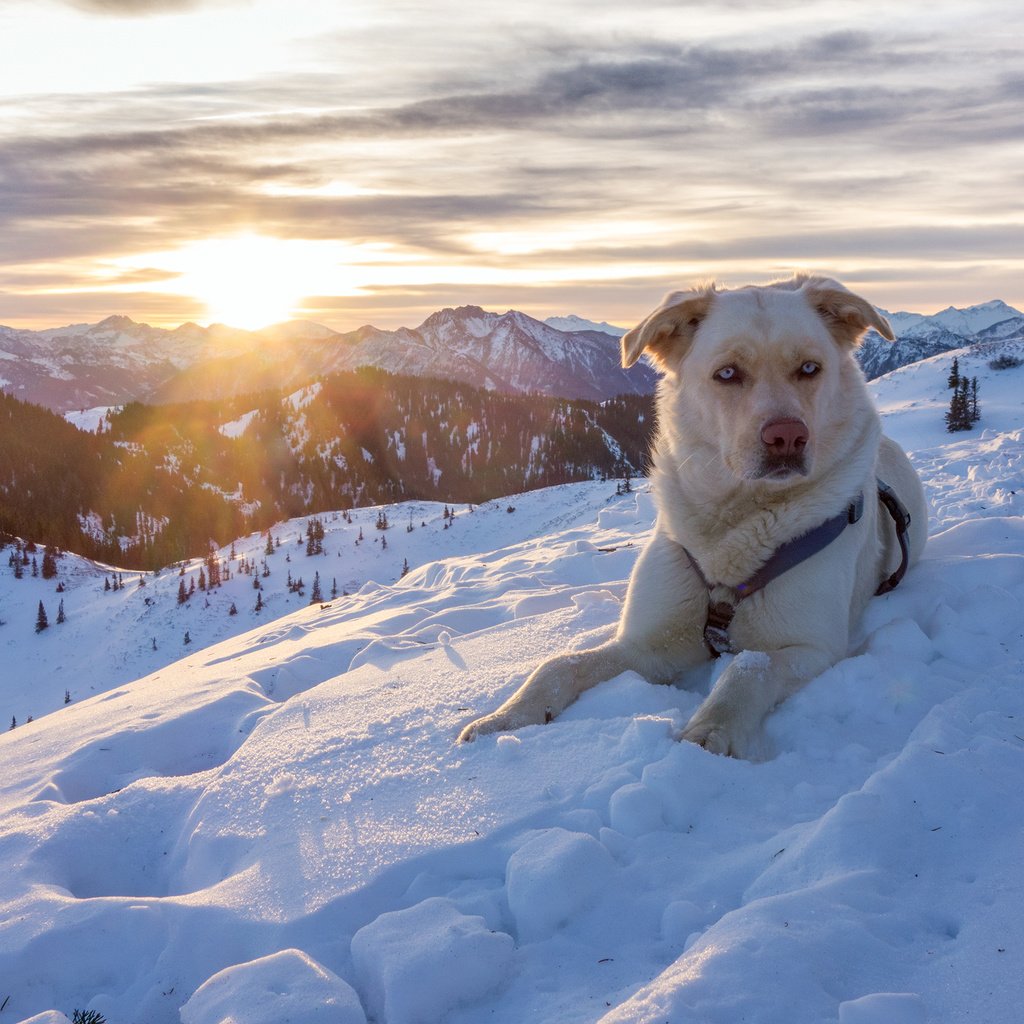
x,y
254,160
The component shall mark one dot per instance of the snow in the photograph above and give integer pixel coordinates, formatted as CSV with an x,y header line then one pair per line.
x,y
283,819
572,322
236,428
286,986
143,626
89,420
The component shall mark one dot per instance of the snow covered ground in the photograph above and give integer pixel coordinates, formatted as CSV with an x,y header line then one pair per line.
x,y
280,827
110,637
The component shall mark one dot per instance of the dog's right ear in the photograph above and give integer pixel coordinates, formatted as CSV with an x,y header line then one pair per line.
x,y
668,331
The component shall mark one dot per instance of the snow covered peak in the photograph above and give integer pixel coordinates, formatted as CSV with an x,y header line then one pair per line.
x,y
117,323
973,319
572,322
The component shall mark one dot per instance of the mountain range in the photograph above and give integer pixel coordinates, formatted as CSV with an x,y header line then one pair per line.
x,y
118,360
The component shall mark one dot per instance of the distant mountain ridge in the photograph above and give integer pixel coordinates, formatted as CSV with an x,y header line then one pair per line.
x,y
119,360
920,337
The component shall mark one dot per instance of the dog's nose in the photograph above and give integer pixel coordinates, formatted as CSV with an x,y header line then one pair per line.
x,y
785,437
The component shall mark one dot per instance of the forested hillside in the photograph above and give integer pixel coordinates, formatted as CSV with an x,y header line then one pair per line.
x,y
160,483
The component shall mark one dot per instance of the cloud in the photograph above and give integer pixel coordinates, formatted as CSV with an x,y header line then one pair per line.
x,y
135,8
820,140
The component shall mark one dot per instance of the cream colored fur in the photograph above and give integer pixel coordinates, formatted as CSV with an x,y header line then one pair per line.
x,y
716,499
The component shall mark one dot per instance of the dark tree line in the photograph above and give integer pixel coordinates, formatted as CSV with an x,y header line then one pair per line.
x,y
163,482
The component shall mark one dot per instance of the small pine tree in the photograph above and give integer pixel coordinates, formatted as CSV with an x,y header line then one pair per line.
x,y
182,593
106,585
87,1017
60,613
259,602
41,620
49,565
14,723
67,696
316,596
953,380
188,638
975,408
958,416
405,566
232,610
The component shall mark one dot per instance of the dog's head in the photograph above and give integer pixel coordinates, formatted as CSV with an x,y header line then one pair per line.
x,y
763,376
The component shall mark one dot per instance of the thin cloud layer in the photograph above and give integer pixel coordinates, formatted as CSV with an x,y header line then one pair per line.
x,y
499,157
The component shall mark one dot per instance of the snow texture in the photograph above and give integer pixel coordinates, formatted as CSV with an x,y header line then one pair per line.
x,y
284,816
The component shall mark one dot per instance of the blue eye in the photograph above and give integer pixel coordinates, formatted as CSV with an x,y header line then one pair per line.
x,y
810,369
728,375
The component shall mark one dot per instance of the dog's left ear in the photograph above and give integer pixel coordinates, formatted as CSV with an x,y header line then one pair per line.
x,y
847,316
668,330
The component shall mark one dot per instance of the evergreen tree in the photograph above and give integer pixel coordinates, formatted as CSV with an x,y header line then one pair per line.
x,y
60,613
67,696
316,597
259,602
975,408
405,566
41,620
269,549
953,380
182,593
958,416
188,638
49,565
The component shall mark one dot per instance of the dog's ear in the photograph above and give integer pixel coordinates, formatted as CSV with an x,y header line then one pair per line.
x,y
668,329
847,316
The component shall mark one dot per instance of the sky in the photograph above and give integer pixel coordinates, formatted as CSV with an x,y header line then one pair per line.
x,y
371,161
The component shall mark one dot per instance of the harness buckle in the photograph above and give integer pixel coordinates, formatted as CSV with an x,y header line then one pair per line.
x,y
716,629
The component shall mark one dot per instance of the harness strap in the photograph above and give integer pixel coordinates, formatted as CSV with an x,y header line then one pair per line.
x,y
723,600
901,519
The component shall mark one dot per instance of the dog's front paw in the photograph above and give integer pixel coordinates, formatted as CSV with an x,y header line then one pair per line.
x,y
503,720
718,734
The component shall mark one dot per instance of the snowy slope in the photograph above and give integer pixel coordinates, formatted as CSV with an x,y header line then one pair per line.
x,y
142,628
281,824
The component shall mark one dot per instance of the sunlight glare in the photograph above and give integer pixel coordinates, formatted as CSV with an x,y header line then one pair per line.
x,y
254,281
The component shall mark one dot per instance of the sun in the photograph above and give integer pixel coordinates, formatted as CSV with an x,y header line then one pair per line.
x,y
248,281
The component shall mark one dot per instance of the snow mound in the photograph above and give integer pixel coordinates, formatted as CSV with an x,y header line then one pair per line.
x,y
553,877
416,965
286,986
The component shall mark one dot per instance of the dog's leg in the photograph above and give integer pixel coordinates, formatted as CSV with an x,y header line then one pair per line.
x,y
658,637
730,718
550,689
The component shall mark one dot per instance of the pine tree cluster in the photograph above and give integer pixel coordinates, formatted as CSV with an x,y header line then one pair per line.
x,y
964,410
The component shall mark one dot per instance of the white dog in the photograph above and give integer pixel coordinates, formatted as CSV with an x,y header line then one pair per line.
x,y
768,469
